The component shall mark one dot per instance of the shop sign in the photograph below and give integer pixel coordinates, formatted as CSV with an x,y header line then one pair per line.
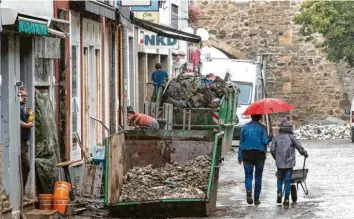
x,y
142,5
151,16
153,41
135,3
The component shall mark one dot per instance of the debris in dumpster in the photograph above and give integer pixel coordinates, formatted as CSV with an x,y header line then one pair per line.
x,y
195,91
172,181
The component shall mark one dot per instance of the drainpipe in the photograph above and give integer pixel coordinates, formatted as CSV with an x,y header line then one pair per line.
x,y
125,75
113,94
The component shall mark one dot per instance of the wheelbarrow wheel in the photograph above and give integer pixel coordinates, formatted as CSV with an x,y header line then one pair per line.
x,y
293,193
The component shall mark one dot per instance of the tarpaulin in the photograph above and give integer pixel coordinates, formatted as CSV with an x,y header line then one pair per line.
x,y
46,144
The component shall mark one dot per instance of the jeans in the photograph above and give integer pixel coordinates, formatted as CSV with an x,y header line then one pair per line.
x,y
284,175
154,124
249,167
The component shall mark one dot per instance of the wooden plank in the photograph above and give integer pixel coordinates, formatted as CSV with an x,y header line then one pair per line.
x,y
87,189
153,110
97,182
42,214
170,116
116,166
184,119
146,108
165,115
67,163
189,119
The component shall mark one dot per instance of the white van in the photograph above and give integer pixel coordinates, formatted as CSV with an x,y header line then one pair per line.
x,y
248,77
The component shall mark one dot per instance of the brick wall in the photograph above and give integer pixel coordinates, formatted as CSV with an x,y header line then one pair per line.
x,y
297,71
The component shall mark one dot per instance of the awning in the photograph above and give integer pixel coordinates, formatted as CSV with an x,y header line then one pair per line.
x,y
167,31
95,7
32,24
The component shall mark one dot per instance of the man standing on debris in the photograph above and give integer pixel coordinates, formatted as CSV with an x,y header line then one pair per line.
x,y
159,76
25,135
252,153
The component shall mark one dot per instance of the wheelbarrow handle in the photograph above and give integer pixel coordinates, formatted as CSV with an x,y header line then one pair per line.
x,y
303,168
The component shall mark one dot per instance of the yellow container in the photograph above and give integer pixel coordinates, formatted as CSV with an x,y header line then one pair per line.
x,y
31,116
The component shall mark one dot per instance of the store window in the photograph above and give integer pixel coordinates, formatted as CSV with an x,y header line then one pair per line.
x,y
44,77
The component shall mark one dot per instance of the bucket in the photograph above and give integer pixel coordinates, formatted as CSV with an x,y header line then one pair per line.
x,y
61,190
46,201
60,205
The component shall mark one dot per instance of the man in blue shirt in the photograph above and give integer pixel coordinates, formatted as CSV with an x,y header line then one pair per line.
x,y
159,76
252,152
25,135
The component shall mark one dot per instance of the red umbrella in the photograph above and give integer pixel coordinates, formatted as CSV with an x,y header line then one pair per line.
x,y
267,106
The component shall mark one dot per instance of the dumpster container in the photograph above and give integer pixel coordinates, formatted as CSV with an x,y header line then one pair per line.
x,y
140,148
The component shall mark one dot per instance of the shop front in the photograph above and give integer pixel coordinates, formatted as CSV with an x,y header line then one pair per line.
x,y
29,45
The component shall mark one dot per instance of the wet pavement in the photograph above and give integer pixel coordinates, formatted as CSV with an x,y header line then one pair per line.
x,y
330,183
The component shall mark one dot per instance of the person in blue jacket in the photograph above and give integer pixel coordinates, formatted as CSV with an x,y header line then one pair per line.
x,y
252,153
159,76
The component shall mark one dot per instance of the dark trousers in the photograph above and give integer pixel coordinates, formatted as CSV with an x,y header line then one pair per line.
x,y
257,168
284,176
25,163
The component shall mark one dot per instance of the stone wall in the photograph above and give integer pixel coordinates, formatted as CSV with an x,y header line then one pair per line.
x,y
297,71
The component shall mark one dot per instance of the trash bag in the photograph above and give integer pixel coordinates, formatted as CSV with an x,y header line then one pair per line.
x,y
46,144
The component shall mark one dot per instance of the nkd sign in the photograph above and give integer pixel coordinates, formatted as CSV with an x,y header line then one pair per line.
x,y
154,41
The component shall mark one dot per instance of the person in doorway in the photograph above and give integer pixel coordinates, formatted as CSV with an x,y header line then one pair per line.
x,y
25,135
283,151
141,119
159,76
252,153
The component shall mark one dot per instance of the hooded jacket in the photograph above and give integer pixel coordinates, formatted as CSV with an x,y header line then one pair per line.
x,y
283,147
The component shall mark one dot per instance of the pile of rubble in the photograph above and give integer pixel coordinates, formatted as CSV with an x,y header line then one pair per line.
x,y
331,128
169,182
195,91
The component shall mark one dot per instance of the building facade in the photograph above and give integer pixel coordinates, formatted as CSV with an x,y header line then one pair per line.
x,y
30,46
83,63
159,40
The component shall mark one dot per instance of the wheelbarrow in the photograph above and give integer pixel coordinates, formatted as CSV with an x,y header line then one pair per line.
x,y
298,178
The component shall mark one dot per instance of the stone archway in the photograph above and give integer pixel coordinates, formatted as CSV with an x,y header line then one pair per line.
x,y
225,47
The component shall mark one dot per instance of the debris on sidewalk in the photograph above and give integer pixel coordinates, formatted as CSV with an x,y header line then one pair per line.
x,y
170,182
93,208
331,128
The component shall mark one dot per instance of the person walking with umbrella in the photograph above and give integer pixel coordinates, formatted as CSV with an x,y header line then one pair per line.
x,y
253,143
252,153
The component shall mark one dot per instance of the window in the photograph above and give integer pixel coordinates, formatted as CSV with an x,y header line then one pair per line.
x,y
43,70
245,95
174,16
75,90
44,77
98,96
